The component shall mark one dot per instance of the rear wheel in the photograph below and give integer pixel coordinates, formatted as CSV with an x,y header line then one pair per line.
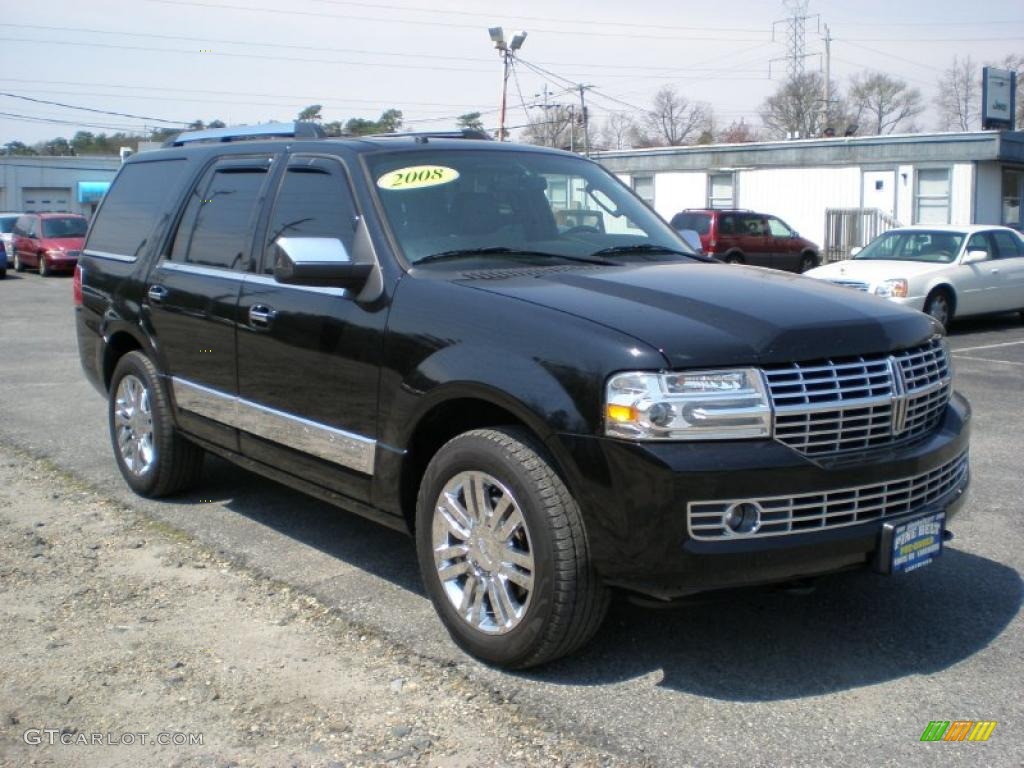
x,y
503,551
153,458
43,270
939,305
733,258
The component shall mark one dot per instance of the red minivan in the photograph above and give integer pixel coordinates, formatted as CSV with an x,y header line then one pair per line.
x,y
745,237
51,242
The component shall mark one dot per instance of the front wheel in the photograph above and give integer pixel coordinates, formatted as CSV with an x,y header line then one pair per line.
x,y
18,265
153,458
808,262
503,551
43,269
940,306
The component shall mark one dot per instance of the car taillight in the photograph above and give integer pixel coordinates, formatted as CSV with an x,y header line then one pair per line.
x,y
76,286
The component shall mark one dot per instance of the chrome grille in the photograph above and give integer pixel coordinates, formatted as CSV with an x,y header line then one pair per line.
x,y
782,515
852,404
856,285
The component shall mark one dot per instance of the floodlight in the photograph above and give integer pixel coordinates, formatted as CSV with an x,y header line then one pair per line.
x,y
517,40
497,37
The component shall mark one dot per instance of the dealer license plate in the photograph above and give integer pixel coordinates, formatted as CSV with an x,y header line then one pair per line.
x,y
912,544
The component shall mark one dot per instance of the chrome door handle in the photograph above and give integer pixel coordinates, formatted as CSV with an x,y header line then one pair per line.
x,y
261,316
994,271
156,293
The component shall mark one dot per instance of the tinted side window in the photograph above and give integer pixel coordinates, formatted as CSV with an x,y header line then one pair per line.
x,y
216,229
727,225
753,225
314,201
698,222
1007,246
133,205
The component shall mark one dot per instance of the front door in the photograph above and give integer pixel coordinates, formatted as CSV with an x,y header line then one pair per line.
x,y
785,246
192,295
979,282
755,240
308,358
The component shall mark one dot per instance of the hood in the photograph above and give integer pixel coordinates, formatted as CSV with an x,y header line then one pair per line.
x,y
712,314
874,271
67,243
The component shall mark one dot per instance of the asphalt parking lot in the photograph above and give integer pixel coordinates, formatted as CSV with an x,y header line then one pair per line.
x,y
853,671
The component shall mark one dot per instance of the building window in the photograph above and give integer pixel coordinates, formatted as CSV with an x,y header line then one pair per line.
x,y
644,187
722,190
931,198
1013,188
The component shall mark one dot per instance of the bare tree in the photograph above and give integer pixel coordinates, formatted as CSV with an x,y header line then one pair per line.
x,y
959,98
618,131
796,109
739,132
558,126
881,103
673,119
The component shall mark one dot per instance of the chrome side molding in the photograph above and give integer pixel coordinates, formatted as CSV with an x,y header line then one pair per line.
x,y
335,445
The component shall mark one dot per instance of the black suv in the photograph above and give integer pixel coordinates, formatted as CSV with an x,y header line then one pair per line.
x,y
412,328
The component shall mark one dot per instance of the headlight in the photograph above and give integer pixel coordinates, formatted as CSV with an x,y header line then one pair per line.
x,y
54,251
696,405
892,289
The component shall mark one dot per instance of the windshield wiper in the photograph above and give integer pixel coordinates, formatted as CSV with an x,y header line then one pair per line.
x,y
503,251
641,248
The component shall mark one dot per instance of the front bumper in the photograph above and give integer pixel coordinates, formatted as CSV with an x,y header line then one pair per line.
x,y
634,498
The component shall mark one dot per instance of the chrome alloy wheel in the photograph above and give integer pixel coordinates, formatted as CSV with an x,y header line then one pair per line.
x,y
482,552
133,421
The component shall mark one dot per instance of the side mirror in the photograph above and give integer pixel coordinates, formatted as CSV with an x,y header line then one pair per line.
x,y
855,250
973,257
692,239
794,233
317,261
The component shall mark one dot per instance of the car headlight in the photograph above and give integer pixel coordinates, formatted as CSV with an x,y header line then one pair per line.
x,y
695,405
54,251
892,289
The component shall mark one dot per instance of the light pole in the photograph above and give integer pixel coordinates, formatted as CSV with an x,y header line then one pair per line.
x,y
506,50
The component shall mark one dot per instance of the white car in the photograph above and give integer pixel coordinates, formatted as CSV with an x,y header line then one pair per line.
x,y
941,270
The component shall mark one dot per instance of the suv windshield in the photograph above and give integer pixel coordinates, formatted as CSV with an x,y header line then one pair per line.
x,y
7,223
488,205
916,245
68,226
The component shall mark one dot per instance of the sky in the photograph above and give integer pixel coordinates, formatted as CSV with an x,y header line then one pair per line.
x,y
167,62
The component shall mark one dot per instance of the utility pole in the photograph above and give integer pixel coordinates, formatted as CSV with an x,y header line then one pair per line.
x,y
586,122
506,50
826,122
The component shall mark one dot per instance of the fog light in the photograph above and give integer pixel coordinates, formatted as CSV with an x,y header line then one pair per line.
x,y
743,518
661,414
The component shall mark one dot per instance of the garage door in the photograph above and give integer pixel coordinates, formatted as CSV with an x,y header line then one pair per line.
x,y
36,199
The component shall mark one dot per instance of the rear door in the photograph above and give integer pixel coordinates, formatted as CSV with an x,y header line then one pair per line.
x,y
1010,256
192,294
308,358
754,240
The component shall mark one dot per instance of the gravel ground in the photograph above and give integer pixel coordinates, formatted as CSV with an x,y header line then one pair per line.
x,y
120,629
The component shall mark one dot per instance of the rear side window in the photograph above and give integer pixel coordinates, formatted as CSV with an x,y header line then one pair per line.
x,y
133,205
64,226
216,229
1007,246
698,222
314,201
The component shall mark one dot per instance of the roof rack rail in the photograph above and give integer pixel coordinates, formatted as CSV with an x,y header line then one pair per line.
x,y
424,136
300,129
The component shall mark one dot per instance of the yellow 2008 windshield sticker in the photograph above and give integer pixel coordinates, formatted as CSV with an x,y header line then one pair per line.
x,y
417,177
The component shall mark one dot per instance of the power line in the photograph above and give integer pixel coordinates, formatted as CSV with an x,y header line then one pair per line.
x,y
40,119
90,109
446,24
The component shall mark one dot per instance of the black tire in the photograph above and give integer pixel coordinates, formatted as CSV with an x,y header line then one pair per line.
x,y
18,265
43,271
940,304
734,258
177,464
567,602
3,273
808,262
